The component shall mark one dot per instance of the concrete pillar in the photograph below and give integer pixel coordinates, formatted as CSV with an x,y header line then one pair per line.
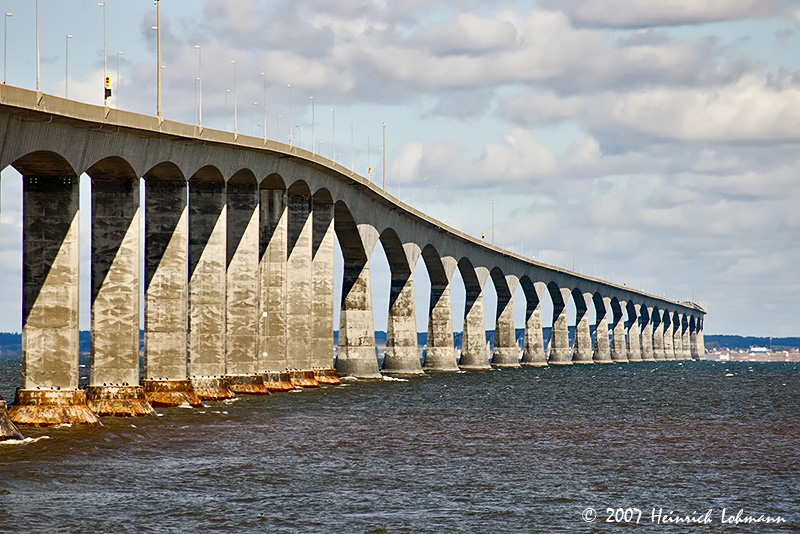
x,y
114,388
632,333
272,282
356,351
602,352
440,355
473,337
685,335
165,299
701,346
322,257
505,339
647,334
241,335
582,351
299,292
402,357
533,352
618,351
669,327
207,289
50,264
559,335
657,318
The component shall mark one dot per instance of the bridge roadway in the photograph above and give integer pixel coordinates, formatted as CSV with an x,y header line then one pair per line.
x,y
238,278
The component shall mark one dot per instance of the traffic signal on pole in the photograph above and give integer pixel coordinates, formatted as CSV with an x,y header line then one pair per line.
x,y
108,86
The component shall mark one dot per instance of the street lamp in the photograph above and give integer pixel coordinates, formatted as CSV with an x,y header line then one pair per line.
x,y
5,46
333,147
118,55
290,113
158,58
226,108
235,121
312,125
264,74
37,46
383,149
106,92
66,66
199,86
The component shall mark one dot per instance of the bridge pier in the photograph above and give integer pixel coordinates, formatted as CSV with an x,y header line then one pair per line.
x,y
473,335
322,263
402,357
533,352
114,388
207,286
505,342
299,294
618,350
602,351
440,354
647,334
166,282
632,333
241,339
582,352
669,349
685,338
698,347
559,335
657,318
51,259
356,354
273,249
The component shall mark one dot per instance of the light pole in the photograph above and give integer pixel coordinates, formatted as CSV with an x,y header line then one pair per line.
x,y
333,112
5,46
264,74
37,46
118,55
235,120
226,108
352,153
290,113
105,56
313,151
255,106
199,86
66,66
383,149
158,58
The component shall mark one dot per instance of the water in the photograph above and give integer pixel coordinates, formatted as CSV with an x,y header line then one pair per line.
x,y
516,450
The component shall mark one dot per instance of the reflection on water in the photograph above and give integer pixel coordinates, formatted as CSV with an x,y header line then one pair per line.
x,y
523,450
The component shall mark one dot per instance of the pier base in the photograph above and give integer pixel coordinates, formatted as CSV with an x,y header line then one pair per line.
x,y
213,389
118,401
47,407
7,428
303,378
170,393
327,377
278,382
505,357
247,385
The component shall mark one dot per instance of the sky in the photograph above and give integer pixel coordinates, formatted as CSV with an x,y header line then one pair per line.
x,y
652,144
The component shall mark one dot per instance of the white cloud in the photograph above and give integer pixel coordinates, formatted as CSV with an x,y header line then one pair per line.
x,y
638,13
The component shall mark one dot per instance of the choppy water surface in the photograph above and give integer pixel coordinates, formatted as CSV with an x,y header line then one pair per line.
x,y
523,450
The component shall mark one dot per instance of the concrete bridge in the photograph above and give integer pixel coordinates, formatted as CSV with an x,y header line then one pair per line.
x,y
239,266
